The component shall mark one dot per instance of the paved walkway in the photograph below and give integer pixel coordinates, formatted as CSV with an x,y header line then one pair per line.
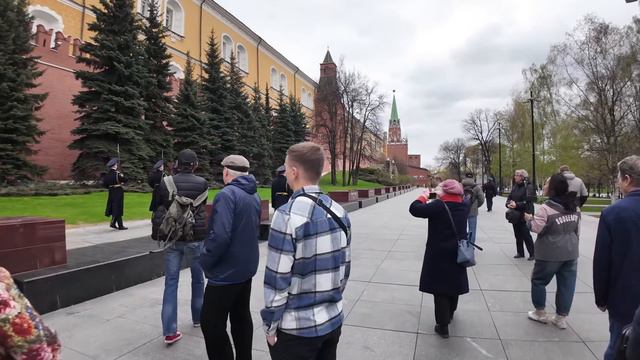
x,y
386,316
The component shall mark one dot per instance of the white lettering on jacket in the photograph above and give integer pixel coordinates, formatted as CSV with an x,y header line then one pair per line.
x,y
566,218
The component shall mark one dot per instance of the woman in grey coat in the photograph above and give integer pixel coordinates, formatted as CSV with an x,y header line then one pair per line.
x,y
557,224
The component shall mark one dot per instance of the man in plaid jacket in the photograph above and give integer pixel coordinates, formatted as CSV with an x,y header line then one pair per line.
x,y
308,264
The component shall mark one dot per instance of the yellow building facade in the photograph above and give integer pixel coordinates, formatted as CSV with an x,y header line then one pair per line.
x,y
189,24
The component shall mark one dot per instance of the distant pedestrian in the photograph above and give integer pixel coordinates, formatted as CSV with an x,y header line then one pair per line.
x,y
557,223
473,194
280,190
576,185
114,180
308,265
441,275
155,178
616,260
490,191
230,260
519,202
188,245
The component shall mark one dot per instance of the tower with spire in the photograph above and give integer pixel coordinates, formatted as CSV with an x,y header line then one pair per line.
x,y
395,131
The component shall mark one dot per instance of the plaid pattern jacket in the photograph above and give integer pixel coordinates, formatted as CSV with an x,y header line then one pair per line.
x,y
308,265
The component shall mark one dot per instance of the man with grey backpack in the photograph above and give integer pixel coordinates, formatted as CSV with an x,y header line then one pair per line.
x,y
179,224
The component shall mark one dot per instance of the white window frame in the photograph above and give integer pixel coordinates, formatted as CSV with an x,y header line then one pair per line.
x,y
176,70
48,18
284,84
275,82
242,58
225,49
178,18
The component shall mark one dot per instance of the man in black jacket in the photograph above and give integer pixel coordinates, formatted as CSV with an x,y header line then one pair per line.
x,y
114,180
191,186
521,199
155,178
490,191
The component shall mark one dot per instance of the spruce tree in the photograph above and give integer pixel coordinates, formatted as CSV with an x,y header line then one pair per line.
x,y
282,133
158,108
263,166
18,73
189,122
221,129
242,115
111,104
298,120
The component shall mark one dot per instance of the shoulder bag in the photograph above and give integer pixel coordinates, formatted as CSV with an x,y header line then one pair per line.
x,y
466,253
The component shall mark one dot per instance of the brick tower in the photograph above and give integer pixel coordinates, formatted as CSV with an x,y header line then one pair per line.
x,y
397,146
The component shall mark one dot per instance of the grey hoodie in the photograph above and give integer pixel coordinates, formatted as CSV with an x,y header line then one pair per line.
x,y
577,185
558,232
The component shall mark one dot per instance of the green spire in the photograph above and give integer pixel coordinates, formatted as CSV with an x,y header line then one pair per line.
x,y
394,119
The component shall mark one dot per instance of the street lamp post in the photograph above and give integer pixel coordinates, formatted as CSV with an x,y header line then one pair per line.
x,y
500,158
531,100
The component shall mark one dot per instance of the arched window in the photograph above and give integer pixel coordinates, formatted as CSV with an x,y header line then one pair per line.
x,y
283,83
243,60
275,81
174,17
48,18
227,47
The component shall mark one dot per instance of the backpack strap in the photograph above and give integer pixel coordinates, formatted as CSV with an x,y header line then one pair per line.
x,y
202,197
171,186
333,215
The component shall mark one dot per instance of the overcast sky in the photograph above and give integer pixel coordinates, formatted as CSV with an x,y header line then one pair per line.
x,y
444,58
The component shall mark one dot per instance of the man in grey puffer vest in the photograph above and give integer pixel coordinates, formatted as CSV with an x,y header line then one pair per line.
x,y
575,184
473,192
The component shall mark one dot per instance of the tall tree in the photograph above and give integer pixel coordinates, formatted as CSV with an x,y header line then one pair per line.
x,y
481,126
221,129
452,157
263,166
369,108
596,70
282,133
189,122
158,102
298,120
241,114
18,73
111,105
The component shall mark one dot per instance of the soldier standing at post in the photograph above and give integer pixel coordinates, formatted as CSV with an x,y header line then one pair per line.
x,y
280,190
155,178
113,181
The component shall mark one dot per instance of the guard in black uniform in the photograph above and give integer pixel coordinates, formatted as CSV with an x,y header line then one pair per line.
x,y
280,190
113,181
155,178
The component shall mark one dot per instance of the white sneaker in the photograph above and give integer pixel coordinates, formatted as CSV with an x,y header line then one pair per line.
x,y
560,321
538,315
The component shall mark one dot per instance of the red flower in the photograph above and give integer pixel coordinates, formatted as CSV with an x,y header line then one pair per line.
x,y
22,326
38,352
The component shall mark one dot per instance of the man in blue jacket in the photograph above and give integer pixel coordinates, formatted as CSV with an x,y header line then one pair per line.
x,y
616,265
229,261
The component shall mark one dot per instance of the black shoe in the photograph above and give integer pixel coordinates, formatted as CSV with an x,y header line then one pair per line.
x,y
113,226
443,331
122,228
531,258
518,256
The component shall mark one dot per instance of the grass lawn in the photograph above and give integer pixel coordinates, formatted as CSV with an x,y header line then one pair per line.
x,y
85,209
89,208
588,208
325,184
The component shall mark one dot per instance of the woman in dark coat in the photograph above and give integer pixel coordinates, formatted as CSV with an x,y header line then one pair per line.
x,y
441,275
155,178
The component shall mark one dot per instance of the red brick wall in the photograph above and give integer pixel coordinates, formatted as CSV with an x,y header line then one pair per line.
x,y
414,160
420,176
399,153
57,112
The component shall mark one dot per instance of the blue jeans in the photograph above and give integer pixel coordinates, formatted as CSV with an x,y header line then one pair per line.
x,y
172,260
472,222
566,274
615,331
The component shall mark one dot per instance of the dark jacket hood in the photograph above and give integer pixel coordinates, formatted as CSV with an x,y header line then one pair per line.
x,y
245,182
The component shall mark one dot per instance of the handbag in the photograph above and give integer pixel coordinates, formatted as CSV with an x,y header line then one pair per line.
x,y
513,216
466,254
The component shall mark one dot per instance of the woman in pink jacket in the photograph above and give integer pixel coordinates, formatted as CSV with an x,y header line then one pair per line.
x,y
557,223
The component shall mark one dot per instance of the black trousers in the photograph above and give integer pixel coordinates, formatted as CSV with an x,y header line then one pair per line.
x,y
116,220
292,347
522,234
489,203
232,302
444,306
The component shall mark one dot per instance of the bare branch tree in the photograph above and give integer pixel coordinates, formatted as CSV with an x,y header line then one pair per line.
x,y
451,156
481,126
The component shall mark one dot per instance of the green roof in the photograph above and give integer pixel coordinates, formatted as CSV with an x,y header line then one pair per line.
x,y
394,119
327,58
